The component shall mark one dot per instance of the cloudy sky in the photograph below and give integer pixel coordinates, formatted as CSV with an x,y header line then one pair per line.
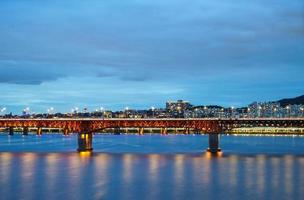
x,y
141,53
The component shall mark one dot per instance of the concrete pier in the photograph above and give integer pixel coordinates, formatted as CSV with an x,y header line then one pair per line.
x,y
25,131
214,140
11,130
164,131
39,131
140,131
85,142
66,132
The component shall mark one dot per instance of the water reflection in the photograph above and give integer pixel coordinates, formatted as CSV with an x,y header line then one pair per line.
x,y
153,175
5,170
288,165
150,176
27,166
102,164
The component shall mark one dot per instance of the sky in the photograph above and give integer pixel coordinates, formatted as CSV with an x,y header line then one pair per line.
x,y
113,54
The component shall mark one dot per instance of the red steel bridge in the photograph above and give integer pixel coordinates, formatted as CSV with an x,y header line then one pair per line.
x,y
85,127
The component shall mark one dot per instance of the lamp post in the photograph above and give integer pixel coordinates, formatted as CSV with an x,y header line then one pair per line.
x,y
195,113
260,111
288,111
248,112
102,110
50,111
126,111
152,109
2,111
232,112
275,112
222,113
26,111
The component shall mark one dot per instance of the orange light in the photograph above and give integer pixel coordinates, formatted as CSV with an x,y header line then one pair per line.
x,y
210,155
85,153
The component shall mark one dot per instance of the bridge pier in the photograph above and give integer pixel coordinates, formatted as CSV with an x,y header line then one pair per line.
x,y
140,131
164,131
85,142
65,132
214,140
11,131
25,131
39,131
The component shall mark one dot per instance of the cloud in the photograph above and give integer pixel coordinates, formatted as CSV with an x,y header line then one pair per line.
x,y
26,75
136,77
136,44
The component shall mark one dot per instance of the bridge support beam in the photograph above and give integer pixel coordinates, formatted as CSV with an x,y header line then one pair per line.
x,y
39,131
214,140
140,131
66,132
25,131
85,142
163,131
11,130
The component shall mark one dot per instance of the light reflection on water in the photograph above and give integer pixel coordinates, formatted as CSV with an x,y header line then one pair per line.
x,y
163,175
149,176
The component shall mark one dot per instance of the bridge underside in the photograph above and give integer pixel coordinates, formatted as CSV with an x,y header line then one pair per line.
x,y
85,142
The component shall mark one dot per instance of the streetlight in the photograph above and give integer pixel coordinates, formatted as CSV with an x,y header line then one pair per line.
x,y
195,113
259,111
302,109
50,110
288,111
275,112
248,112
126,111
232,111
152,108
26,110
2,110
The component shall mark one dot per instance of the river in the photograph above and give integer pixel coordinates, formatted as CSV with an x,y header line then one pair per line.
x,y
151,167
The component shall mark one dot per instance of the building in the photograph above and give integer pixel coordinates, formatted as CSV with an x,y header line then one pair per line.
x,y
177,108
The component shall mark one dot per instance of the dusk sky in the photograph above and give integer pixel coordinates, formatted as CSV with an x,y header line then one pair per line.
x,y
139,54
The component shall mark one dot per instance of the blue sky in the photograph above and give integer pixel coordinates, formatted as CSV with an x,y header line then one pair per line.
x,y
141,53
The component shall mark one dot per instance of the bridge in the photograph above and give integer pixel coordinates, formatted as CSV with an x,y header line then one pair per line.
x,y
85,127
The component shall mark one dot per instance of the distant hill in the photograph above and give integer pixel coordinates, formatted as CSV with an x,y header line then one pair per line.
x,y
292,101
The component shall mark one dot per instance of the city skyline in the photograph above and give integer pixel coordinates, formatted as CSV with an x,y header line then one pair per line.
x,y
287,107
141,54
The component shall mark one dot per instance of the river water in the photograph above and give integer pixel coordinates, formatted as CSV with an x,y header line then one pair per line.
x,y
151,167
